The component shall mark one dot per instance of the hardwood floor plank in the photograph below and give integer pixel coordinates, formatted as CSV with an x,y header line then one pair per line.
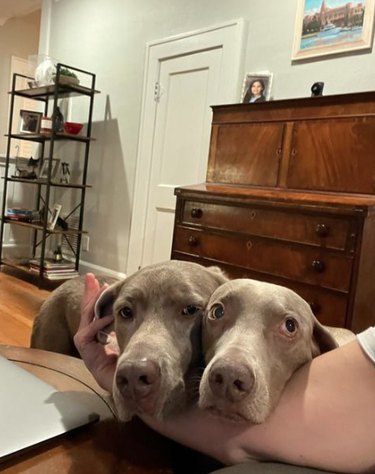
x,y
20,301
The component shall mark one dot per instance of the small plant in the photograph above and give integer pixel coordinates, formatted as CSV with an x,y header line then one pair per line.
x,y
66,72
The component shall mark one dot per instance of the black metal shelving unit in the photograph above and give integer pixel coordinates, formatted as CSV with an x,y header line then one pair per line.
x,y
49,97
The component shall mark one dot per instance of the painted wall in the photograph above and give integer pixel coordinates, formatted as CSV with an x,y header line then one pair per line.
x,y
109,39
18,37
272,51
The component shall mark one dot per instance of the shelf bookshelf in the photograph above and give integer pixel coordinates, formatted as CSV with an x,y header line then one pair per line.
x,y
46,187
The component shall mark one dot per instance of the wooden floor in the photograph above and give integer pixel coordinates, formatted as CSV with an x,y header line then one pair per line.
x,y
20,301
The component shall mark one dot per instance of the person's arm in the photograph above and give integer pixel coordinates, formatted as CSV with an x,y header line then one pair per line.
x,y
100,360
325,419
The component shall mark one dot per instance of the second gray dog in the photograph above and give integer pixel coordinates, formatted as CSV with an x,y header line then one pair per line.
x,y
255,335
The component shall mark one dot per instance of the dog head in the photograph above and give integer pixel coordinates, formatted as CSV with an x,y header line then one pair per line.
x,y
158,312
255,335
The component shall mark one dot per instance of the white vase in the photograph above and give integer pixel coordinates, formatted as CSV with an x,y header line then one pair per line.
x,y
44,72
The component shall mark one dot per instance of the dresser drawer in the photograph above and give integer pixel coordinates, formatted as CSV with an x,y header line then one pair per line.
x,y
301,263
311,229
330,307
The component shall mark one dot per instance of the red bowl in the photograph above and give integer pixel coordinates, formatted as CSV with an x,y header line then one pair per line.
x,y
73,127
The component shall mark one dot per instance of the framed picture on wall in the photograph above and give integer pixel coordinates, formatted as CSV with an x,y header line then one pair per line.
x,y
326,27
256,87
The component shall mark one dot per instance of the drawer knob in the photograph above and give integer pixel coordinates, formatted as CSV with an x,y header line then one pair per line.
x,y
318,266
322,230
196,212
315,307
193,241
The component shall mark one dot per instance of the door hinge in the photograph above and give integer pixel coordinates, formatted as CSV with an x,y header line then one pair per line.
x,y
158,91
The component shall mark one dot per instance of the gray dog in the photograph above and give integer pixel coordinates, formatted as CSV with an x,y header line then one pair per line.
x,y
58,318
158,312
255,335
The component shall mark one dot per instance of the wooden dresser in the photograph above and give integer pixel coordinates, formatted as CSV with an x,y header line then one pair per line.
x,y
290,199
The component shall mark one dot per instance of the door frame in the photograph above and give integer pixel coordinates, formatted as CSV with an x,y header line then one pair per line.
x,y
202,39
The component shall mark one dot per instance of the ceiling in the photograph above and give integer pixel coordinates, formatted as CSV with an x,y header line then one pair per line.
x,y
13,8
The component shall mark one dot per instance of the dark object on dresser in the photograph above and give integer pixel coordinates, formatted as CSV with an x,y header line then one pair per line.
x,y
290,199
317,89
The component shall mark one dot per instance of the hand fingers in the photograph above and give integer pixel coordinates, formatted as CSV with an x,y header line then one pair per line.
x,y
88,333
91,293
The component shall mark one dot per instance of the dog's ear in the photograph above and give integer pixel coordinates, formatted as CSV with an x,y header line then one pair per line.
x,y
104,307
104,304
322,339
218,274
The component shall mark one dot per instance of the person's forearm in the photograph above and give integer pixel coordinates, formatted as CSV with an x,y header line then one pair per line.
x,y
201,431
325,419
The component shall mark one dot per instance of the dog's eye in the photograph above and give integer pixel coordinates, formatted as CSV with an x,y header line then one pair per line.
x,y
217,312
126,312
190,310
291,325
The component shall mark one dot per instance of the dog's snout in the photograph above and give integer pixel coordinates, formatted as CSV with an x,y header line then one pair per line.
x,y
138,379
230,380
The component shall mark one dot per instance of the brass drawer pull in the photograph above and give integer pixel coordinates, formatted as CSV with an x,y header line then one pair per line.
x,y
322,230
193,241
196,212
318,266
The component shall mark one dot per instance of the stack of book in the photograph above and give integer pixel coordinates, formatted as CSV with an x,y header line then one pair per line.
x,y
23,215
52,270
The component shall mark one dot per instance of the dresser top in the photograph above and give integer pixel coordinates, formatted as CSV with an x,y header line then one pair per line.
x,y
343,105
340,203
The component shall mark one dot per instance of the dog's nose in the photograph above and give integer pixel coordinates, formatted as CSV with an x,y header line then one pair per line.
x,y
232,381
138,379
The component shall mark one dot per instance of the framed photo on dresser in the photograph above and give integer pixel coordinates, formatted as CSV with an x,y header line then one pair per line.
x,y
256,87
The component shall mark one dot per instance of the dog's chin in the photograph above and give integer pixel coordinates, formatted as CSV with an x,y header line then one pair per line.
x,y
127,410
231,416
240,413
160,406
125,414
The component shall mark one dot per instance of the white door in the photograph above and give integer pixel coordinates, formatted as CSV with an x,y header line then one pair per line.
x,y
184,76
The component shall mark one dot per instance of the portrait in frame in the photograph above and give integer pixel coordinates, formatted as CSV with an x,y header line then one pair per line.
x,y
54,216
256,87
327,27
30,121
43,174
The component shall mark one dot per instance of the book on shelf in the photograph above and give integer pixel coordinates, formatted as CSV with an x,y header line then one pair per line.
x,y
61,276
57,275
51,264
23,215
20,210
55,271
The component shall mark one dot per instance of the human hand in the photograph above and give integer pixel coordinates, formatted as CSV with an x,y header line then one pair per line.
x,y
99,359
